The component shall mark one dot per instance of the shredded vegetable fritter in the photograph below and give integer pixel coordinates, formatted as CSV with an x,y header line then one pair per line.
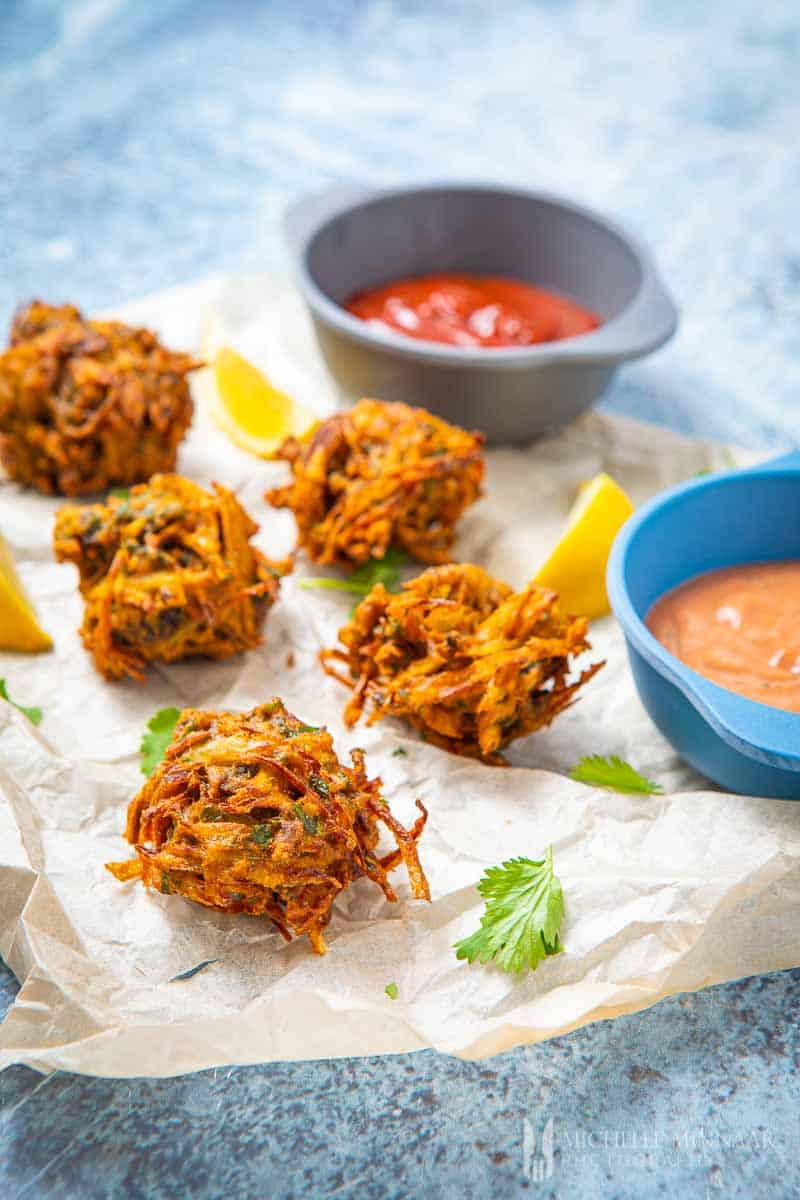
x,y
166,572
470,663
254,813
88,404
377,475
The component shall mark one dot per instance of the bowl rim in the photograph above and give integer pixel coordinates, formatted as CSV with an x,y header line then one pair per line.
x,y
757,730
623,336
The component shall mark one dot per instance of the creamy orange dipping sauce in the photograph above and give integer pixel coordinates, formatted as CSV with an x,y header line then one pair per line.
x,y
740,628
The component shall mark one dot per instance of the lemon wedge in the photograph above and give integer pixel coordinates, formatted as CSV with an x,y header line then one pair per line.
x,y
19,629
255,414
576,568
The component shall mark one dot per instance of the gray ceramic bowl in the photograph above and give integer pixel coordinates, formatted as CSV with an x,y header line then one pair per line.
x,y
353,239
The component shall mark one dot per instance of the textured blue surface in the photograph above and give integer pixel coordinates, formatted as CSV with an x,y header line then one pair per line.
x,y
147,143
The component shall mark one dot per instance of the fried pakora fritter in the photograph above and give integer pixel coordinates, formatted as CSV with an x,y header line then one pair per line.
x,y
377,475
462,657
166,572
88,404
254,813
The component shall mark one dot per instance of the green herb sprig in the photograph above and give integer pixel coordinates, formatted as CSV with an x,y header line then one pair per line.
x,y
33,714
615,774
308,821
262,835
160,729
362,580
523,915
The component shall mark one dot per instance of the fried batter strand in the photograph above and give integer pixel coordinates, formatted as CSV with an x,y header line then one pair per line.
x,y
166,572
377,475
254,813
470,663
87,404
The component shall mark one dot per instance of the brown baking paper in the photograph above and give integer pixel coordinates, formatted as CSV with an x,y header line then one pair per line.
x,y
663,894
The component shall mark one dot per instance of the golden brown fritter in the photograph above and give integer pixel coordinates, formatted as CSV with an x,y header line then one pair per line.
x,y
470,663
377,475
166,572
254,813
88,404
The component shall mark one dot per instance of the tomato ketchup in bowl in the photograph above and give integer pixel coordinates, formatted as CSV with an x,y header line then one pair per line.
x,y
495,308
472,310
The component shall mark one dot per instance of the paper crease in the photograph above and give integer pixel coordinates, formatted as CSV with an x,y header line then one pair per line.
x,y
663,893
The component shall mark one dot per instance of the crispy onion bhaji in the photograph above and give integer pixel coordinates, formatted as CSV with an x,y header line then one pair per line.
x,y
88,404
165,572
253,813
472,664
377,475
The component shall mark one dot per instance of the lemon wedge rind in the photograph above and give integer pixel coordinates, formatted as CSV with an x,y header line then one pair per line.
x,y
19,628
254,414
576,566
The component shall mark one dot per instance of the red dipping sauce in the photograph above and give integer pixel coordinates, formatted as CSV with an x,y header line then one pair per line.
x,y
472,310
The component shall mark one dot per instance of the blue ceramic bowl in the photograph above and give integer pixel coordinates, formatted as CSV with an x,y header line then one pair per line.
x,y
714,521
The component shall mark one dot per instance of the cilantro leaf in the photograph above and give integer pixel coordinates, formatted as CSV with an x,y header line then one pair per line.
x,y
201,966
34,715
262,835
154,743
399,752
384,570
613,773
524,910
392,991
308,822
319,785
362,580
121,493
323,583
292,731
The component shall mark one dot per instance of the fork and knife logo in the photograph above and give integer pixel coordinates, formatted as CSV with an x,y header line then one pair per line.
x,y
537,1166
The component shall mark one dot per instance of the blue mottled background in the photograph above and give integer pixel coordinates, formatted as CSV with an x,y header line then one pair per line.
x,y
148,142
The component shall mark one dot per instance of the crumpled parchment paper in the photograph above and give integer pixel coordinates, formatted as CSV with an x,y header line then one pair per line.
x,y
663,894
